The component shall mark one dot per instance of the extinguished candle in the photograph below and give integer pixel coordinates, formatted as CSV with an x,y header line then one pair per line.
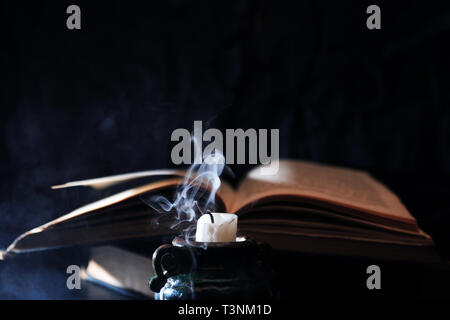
x,y
216,227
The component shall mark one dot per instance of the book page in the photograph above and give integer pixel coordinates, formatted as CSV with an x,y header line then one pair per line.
x,y
344,187
105,228
105,182
224,192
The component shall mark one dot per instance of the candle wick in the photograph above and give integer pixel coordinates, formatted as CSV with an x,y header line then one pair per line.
x,y
210,215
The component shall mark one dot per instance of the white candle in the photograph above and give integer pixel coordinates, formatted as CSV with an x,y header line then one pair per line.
x,y
222,228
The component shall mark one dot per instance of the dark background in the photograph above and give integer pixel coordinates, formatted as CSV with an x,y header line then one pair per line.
x,y
105,99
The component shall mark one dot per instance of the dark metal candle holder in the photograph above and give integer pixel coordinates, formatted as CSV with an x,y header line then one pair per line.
x,y
205,270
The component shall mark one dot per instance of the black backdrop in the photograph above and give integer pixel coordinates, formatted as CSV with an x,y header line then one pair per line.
x,y
105,99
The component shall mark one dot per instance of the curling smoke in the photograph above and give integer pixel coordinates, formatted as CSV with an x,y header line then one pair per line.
x,y
201,182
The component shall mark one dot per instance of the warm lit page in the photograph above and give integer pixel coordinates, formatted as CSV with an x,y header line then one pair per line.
x,y
344,187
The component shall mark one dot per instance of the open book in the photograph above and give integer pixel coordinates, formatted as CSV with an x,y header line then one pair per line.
x,y
305,207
